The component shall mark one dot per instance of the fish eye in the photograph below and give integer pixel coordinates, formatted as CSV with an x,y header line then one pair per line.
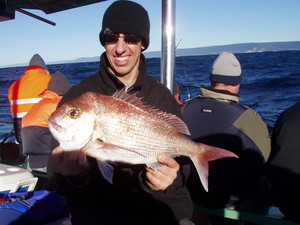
x,y
74,113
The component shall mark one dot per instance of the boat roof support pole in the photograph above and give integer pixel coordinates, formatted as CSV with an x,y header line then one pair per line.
x,y
168,44
35,16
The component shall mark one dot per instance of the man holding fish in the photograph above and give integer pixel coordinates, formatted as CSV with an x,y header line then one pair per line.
x,y
127,197
113,123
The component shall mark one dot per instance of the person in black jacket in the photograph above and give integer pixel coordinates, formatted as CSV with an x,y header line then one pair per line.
x,y
283,167
137,195
216,118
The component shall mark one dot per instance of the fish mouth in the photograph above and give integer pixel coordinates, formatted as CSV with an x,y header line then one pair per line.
x,y
54,125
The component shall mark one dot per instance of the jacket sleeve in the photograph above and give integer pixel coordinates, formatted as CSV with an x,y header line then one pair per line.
x,y
253,126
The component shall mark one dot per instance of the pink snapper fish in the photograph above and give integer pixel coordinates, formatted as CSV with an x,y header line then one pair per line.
x,y
121,128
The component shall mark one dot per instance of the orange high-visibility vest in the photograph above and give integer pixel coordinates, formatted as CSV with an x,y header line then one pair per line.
x,y
40,112
27,90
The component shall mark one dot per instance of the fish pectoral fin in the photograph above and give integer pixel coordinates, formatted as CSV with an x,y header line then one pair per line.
x,y
106,170
158,165
155,165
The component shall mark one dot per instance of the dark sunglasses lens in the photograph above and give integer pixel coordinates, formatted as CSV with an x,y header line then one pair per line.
x,y
111,39
131,40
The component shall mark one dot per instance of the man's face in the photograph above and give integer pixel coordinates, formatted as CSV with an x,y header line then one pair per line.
x,y
123,52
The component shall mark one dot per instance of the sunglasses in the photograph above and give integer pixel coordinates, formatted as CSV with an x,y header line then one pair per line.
x,y
129,39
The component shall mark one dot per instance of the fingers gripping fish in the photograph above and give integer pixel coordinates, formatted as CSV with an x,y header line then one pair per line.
x,y
121,128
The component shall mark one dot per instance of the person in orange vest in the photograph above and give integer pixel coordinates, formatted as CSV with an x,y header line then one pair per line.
x,y
27,91
35,133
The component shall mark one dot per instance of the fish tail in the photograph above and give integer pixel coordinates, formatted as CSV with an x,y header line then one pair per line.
x,y
204,154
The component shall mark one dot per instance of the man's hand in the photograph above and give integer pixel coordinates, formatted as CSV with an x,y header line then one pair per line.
x,y
69,163
162,178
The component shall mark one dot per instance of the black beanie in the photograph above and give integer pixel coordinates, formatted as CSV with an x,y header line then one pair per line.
x,y
126,17
59,83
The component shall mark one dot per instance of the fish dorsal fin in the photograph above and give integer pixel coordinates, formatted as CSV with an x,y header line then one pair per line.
x,y
130,98
171,119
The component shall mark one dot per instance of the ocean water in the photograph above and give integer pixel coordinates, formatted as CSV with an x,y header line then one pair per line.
x,y
271,81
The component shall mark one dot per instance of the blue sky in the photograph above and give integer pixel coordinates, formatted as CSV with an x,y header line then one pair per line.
x,y
199,23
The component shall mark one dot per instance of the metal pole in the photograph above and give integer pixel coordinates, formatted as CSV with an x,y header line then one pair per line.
x,y
168,44
35,16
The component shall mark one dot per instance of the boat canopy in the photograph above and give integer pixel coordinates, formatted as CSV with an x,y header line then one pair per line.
x,y
47,6
9,7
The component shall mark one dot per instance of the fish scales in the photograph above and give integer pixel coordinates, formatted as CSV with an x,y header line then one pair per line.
x,y
121,128
137,130
143,138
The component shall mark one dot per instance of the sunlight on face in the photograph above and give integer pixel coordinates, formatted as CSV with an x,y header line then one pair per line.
x,y
123,54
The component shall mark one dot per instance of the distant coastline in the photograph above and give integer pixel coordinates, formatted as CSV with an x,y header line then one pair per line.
x,y
234,48
211,50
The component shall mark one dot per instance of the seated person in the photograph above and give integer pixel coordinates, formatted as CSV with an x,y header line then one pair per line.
x,y
283,168
35,133
25,92
217,118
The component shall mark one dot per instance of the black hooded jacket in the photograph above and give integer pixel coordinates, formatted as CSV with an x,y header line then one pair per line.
x,y
283,168
217,118
129,200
